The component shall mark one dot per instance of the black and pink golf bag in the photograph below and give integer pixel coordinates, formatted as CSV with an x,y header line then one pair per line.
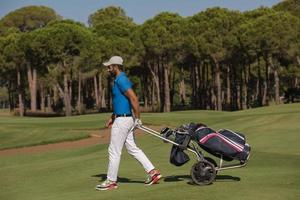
x,y
225,144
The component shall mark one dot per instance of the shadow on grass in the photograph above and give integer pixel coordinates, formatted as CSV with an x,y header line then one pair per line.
x,y
173,178
225,178
120,179
219,178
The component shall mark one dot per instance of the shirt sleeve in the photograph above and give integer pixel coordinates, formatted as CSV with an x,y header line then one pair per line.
x,y
124,84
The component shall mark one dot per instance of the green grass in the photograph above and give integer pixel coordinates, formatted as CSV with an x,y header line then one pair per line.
x,y
29,131
272,173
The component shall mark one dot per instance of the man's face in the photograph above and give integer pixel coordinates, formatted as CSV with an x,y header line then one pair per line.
x,y
112,71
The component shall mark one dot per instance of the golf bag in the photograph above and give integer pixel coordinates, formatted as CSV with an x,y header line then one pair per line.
x,y
178,157
225,144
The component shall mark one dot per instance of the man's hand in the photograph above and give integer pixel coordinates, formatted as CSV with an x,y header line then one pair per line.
x,y
109,122
137,122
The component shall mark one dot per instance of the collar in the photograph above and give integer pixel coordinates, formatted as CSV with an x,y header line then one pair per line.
x,y
120,75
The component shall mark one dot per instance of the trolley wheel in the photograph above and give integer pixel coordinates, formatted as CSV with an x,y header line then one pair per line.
x,y
209,159
203,173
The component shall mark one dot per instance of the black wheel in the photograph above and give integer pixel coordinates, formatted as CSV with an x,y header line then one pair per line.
x,y
203,173
213,162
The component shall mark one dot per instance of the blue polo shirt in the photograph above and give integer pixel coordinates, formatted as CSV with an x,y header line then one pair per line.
x,y
121,103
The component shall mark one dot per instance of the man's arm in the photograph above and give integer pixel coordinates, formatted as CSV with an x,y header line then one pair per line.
x,y
110,121
134,102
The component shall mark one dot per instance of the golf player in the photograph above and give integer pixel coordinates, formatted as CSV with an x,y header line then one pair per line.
x,y
121,122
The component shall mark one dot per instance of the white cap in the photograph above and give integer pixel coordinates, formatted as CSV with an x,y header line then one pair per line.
x,y
115,60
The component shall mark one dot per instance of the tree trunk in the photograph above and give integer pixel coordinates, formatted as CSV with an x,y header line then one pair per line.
x,y
109,97
67,99
103,102
43,98
228,93
172,91
154,73
32,76
10,96
204,86
218,83
146,101
276,80
20,93
101,92
265,100
201,79
167,103
244,87
79,97
100,89
239,105
264,97
248,75
213,104
49,103
96,91
56,95
146,91
153,95
259,81
207,92
298,60
70,83
198,83
296,82
297,79
193,84
161,74
234,89
182,92
256,95
150,92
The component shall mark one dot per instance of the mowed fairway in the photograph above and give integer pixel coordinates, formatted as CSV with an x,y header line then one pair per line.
x,y
272,173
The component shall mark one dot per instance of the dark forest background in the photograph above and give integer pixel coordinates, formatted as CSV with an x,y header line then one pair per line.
x,y
218,59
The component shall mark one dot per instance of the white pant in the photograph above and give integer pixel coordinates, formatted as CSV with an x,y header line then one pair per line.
x,y
121,134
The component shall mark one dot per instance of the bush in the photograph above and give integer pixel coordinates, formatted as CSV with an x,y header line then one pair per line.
x,y
29,113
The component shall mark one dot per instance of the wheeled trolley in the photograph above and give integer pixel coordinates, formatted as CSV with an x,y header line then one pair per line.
x,y
224,144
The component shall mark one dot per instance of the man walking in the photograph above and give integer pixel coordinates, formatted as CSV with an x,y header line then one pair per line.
x,y
122,121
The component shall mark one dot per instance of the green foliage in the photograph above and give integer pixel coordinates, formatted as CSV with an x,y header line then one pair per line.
x,y
271,33
213,29
217,37
27,18
276,31
117,30
162,35
268,30
111,22
12,58
3,94
292,6
256,13
12,50
41,45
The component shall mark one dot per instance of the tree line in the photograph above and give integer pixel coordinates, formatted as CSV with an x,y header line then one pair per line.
x,y
217,59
